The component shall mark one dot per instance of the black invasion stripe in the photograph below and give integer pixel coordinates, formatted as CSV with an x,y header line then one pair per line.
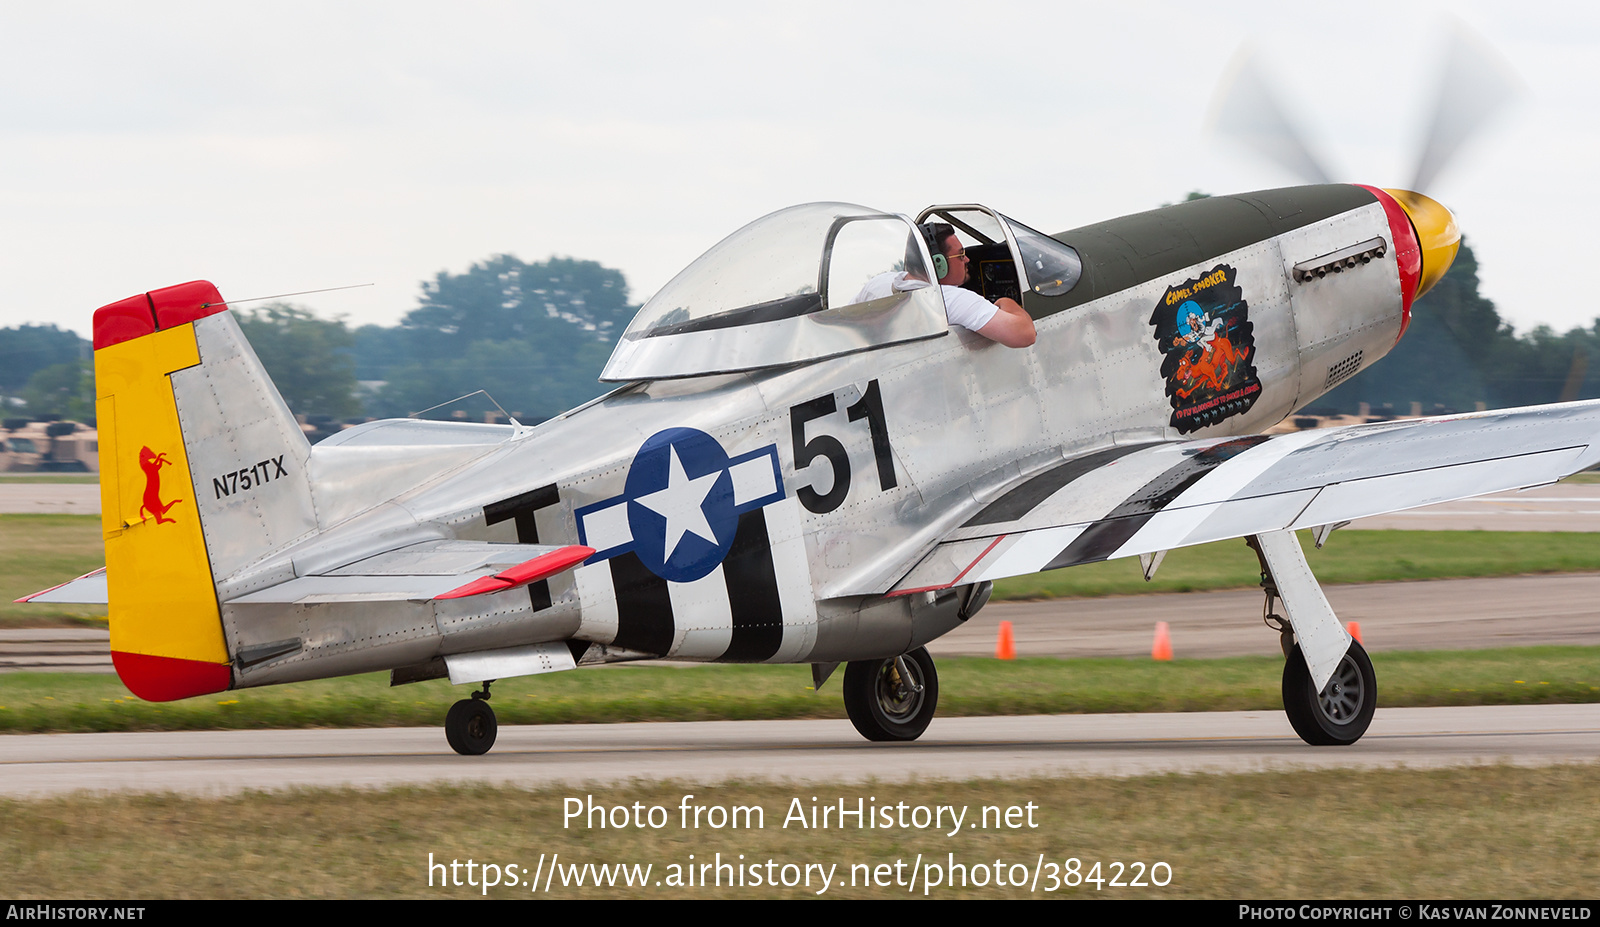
x,y
521,507
644,607
1023,499
1103,537
752,593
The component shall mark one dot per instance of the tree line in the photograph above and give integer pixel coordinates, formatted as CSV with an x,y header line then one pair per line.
x,y
1458,352
536,335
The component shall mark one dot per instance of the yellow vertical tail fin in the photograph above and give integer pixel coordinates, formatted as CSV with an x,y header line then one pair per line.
x,y
179,394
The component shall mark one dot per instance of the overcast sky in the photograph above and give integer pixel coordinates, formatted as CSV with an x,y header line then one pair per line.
x,y
278,147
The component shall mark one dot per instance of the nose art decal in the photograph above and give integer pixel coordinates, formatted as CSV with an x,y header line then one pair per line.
x,y
1208,344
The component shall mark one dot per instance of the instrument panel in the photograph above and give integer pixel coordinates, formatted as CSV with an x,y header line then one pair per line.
x,y
993,273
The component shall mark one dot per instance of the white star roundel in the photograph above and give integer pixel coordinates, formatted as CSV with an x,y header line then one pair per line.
x,y
683,504
680,507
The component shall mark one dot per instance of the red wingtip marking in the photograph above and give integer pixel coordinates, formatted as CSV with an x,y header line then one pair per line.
x,y
543,566
175,305
165,679
123,320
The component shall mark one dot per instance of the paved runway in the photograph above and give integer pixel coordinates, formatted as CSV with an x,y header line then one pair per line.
x,y
1557,507
222,762
49,498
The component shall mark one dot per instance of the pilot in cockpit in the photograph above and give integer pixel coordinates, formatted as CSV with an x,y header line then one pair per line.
x,y
1004,320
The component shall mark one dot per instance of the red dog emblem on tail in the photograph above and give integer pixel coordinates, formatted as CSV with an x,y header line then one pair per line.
x,y
151,463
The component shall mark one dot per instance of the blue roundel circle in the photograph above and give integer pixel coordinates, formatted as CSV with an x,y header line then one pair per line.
x,y
680,504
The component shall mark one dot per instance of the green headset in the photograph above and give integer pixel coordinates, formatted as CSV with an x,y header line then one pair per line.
x,y
931,233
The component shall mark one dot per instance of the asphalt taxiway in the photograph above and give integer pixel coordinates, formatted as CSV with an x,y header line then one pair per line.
x,y
225,762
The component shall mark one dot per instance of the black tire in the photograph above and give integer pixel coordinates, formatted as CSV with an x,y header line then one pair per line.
x,y
881,707
1339,714
471,727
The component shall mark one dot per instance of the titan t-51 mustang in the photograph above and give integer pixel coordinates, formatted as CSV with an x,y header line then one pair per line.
x,y
786,475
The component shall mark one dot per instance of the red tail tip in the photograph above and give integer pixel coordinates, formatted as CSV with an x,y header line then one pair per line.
x,y
168,307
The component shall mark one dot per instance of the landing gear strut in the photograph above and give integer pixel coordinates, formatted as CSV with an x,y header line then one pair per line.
x,y
1340,711
892,699
470,727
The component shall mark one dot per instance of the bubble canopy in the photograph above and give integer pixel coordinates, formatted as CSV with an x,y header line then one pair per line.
x,y
786,289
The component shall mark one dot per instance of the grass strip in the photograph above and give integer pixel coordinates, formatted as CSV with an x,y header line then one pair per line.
x,y
968,687
40,551
1488,831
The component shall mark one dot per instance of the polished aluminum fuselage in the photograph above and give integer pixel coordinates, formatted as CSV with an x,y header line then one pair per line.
x,y
964,417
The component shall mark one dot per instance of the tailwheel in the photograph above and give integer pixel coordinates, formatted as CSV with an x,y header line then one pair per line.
x,y
892,699
1341,712
470,727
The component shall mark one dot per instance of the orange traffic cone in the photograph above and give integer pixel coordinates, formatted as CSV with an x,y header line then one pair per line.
x,y
1005,648
1162,648
1354,628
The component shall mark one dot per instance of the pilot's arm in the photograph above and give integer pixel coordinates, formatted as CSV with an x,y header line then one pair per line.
x,y
1011,325
1003,320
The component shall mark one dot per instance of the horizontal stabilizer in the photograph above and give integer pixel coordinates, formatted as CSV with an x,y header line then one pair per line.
x,y
426,571
88,589
1128,501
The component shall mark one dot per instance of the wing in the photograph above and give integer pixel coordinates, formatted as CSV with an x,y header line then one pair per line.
x,y
1140,499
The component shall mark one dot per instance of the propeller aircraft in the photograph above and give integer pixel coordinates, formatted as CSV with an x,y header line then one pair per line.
x,y
787,474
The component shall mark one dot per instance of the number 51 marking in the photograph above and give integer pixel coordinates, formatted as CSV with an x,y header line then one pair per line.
x,y
869,407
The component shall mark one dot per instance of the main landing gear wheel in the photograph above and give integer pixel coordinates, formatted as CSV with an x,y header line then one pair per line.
x,y
1339,714
892,699
471,726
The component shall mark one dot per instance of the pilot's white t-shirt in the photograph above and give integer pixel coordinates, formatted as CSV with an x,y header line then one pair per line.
x,y
962,307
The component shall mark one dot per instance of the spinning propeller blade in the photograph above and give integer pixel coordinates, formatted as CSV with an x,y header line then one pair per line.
x,y
1245,109
1475,85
